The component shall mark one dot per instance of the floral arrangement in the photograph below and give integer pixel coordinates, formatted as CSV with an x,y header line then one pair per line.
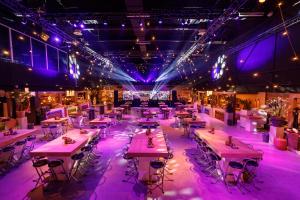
x,y
277,107
22,99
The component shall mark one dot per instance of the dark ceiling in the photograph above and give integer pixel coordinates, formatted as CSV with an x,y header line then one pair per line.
x,y
144,38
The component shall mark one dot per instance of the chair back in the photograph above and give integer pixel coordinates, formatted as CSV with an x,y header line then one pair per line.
x,y
19,149
6,154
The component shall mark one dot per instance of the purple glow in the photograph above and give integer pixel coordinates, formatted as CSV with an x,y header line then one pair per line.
x,y
75,25
81,25
105,23
123,25
160,21
56,39
141,24
257,55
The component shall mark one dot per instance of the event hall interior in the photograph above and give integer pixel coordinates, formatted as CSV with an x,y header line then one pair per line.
x,y
149,99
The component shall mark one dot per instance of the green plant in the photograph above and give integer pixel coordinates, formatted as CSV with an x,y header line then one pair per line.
x,y
22,100
246,104
277,107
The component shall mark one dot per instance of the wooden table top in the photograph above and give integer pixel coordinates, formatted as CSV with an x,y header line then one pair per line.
x,y
145,121
139,145
191,121
182,114
191,109
100,121
149,113
54,121
57,147
217,142
21,134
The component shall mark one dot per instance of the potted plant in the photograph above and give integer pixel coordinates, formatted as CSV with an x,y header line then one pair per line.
x,y
22,102
277,108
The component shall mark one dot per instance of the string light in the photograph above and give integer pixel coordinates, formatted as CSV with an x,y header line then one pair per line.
x,y
285,33
295,57
5,52
255,74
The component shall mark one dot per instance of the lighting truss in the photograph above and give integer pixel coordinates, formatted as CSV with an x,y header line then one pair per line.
x,y
212,29
19,10
287,23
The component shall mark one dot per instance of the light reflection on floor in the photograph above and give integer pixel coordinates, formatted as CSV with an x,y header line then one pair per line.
x,y
280,171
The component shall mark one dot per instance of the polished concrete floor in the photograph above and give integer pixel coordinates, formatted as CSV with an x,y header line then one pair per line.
x,y
279,172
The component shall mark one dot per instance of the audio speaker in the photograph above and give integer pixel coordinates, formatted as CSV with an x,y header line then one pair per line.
x,y
116,97
174,95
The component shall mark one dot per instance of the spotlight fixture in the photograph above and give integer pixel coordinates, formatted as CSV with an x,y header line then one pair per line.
x,y
5,52
285,33
20,37
255,74
275,86
141,24
44,36
148,23
153,38
295,58
123,25
261,1
81,25
105,23
279,4
160,21
219,67
242,61
24,21
77,32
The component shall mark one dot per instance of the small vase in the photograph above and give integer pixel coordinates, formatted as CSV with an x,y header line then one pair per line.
x,y
20,114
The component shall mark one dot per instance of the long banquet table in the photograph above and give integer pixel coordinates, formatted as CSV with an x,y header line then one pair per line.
x,y
138,148
217,142
57,149
98,121
55,121
147,122
21,134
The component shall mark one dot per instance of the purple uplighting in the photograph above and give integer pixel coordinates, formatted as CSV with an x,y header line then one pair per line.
x,y
256,55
